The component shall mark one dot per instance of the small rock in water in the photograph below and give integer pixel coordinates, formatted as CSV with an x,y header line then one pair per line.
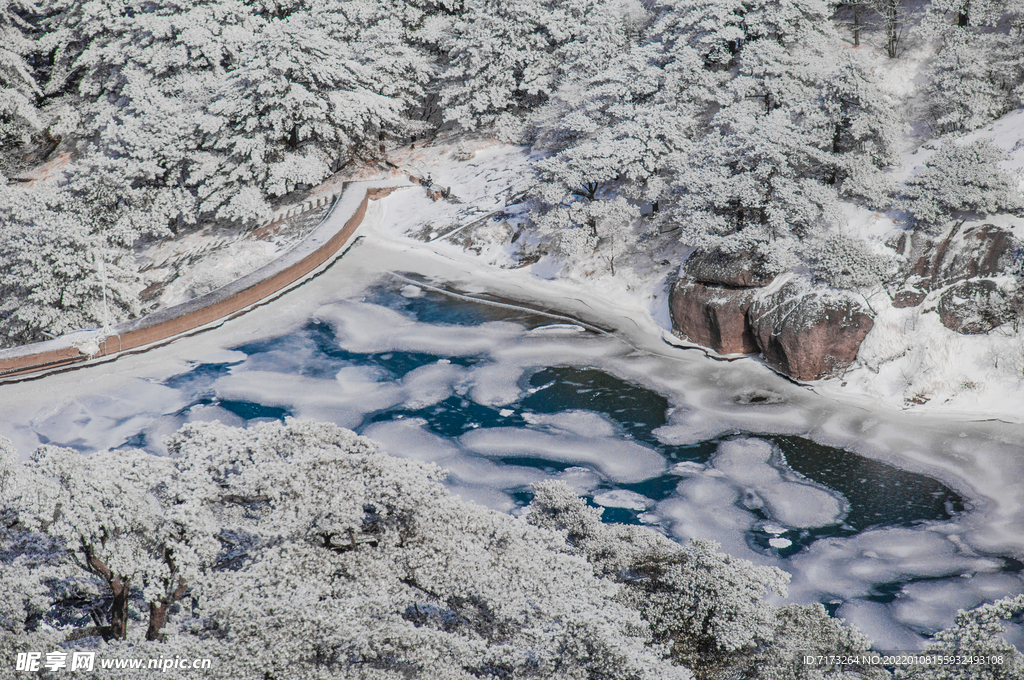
x,y
779,542
411,291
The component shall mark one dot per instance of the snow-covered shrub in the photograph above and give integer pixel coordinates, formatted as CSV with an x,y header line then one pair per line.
x,y
961,179
850,262
975,633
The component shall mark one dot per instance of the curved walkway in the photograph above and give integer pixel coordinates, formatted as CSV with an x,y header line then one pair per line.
x,y
320,247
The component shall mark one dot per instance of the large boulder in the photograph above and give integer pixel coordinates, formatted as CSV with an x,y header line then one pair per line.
x,y
709,303
932,263
979,305
808,333
736,269
712,316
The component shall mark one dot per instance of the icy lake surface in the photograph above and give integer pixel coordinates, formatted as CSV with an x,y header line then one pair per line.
x,y
502,397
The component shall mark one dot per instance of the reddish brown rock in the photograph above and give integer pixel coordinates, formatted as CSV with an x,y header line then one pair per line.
x,y
808,334
984,250
978,306
713,316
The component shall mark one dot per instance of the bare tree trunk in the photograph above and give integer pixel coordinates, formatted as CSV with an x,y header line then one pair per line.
x,y
893,19
158,611
119,608
121,589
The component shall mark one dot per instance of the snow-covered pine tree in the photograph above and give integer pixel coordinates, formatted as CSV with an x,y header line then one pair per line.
x,y
861,126
298,106
19,92
68,29
707,607
973,79
611,135
333,560
720,29
961,179
398,43
60,270
792,129
976,633
503,60
979,66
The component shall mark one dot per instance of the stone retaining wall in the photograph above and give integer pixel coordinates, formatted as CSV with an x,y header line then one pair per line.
x,y
318,248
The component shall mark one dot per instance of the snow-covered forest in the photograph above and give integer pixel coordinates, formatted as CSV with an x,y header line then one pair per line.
x,y
299,550
734,125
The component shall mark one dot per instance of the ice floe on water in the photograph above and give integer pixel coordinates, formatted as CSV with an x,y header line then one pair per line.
x,y
619,461
621,498
853,567
793,502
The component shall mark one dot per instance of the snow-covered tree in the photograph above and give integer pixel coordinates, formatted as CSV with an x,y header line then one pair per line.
x,y
976,632
300,550
961,179
505,59
19,92
612,135
861,126
719,30
794,127
297,107
58,271
894,17
979,68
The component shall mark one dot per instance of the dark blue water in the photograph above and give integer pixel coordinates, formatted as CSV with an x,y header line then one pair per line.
x,y
876,494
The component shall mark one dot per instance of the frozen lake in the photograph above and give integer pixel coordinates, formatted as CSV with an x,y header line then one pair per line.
x,y
886,520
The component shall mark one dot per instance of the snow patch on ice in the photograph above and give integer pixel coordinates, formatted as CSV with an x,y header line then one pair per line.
x,y
619,461
621,498
748,462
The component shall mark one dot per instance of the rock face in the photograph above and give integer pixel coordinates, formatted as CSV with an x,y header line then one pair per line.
x,y
721,302
714,317
933,263
709,303
979,305
808,334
